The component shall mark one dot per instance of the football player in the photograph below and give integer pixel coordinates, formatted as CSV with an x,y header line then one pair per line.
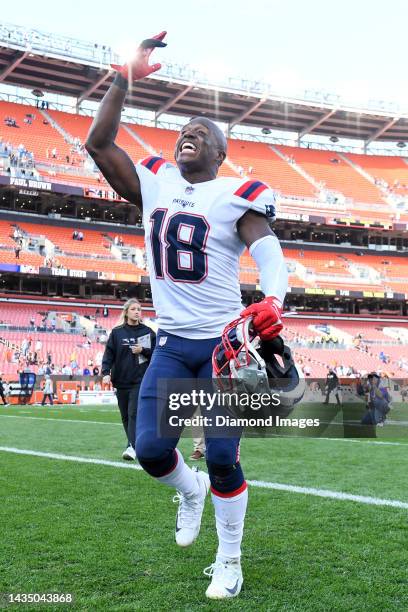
x,y
196,228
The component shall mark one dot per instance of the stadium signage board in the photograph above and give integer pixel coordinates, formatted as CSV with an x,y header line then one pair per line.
x,y
29,192
345,293
352,222
72,273
65,272
30,183
39,185
319,291
293,217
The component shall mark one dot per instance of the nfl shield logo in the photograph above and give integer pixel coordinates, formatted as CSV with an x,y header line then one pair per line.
x,y
162,340
189,190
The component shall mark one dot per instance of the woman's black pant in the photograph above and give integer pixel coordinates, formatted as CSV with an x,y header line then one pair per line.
x,y
127,402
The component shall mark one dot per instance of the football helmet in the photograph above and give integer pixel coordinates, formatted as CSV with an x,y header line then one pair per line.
x,y
244,363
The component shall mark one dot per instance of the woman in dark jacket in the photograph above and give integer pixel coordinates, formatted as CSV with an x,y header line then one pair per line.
x,y
127,355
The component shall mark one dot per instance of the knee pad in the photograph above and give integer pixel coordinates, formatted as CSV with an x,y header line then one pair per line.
x,y
159,466
225,479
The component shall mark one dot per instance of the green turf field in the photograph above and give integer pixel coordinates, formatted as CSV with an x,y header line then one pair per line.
x,y
105,534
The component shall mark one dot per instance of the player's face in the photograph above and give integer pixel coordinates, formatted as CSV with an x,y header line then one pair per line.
x,y
197,146
134,313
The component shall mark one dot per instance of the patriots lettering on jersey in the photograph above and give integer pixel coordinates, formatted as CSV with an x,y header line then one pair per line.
x,y
183,203
153,163
250,190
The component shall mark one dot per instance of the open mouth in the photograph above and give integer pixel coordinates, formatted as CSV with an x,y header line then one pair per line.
x,y
187,146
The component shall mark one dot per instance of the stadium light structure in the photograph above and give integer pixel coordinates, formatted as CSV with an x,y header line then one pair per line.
x,y
16,61
173,100
237,98
246,113
380,131
312,126
93,87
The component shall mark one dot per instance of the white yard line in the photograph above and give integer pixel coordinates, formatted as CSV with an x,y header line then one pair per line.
x,y
362,499
364,441
262,484
14,416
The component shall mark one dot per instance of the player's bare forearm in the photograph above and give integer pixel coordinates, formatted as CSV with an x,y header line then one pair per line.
x,y
252,226
106,123
113,162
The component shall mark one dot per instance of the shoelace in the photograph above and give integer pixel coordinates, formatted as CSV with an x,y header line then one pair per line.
x,y
187,508
213,568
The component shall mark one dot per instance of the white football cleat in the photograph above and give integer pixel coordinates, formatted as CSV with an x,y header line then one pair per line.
x,y
226,580
129,454
190,511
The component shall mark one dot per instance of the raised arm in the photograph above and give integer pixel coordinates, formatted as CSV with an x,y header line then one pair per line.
x,y
114,163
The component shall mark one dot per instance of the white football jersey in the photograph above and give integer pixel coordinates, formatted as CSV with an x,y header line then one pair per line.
x,y
193,247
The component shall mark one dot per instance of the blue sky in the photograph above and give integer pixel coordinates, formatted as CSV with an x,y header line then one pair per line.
x,y
353,47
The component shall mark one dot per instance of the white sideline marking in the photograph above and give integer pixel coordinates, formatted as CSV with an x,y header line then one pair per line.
x,y
17,416
383,442
23,451
362,499
261,484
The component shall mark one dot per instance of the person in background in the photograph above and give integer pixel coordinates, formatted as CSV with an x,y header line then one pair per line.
x,y
198,448
127,355
378,399
18,248
2,392
332,386
48,391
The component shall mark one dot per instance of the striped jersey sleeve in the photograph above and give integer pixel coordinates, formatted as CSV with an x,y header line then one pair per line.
x,y
259,197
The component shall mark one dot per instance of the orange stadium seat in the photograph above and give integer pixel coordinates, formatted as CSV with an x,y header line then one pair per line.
x,y
327,270
267,166
6,234
76,125
37,137
92,253
391,169
92,244
133,240
328,168
77,180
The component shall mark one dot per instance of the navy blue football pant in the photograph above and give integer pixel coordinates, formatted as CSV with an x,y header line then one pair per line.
x,y
181,358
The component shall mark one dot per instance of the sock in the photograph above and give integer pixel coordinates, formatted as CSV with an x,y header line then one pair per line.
x,y
229,519
182,478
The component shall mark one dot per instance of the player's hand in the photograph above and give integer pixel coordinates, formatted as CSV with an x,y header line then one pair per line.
x,y
136,349
139,67
266,317
106,379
